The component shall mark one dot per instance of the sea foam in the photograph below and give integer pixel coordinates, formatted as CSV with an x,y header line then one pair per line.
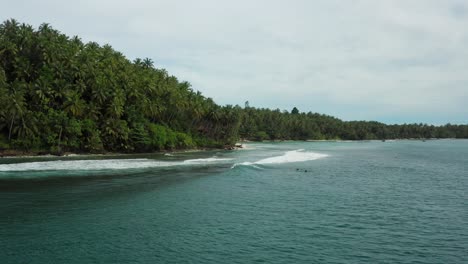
x,y
298,155
106,164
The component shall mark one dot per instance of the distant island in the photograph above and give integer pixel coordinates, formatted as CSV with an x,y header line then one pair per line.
x,y
58,94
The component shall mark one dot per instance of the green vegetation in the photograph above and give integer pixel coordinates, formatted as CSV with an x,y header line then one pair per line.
x,y
266,124
59,94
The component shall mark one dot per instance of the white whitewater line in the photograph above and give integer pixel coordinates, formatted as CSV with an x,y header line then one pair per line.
x,y
109,164
292,156
214,159
298,155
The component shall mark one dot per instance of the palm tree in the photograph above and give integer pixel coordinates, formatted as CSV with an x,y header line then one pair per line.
x,y
14,110
74,105
27,127
148,63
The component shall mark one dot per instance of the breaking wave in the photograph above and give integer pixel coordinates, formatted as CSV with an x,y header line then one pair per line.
x,y
290,156
108,164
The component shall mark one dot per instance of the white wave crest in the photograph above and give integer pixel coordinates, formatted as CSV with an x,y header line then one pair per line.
x,y
289,157
292,156
252,164
195,161
107,164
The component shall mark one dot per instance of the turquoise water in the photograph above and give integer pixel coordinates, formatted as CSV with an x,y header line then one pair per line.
x,y
291,202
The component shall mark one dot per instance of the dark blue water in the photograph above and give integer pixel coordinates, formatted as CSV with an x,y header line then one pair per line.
x,y
365,202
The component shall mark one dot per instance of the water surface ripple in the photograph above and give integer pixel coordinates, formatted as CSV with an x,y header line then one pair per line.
x,y
291,202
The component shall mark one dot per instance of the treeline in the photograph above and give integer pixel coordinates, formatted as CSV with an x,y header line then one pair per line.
x,y
266,124
60,94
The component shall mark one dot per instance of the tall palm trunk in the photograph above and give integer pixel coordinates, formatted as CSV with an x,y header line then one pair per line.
x,y
11,127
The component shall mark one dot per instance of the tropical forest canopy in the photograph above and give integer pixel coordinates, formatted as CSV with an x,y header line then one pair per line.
x,y
60,94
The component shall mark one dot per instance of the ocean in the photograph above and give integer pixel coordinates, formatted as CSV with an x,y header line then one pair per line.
x,y
287,202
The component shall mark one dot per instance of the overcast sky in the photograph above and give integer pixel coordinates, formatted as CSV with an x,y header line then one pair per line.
x,y
390,61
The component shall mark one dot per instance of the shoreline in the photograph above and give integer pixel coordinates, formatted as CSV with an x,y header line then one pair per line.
x,y
347,140
11,154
